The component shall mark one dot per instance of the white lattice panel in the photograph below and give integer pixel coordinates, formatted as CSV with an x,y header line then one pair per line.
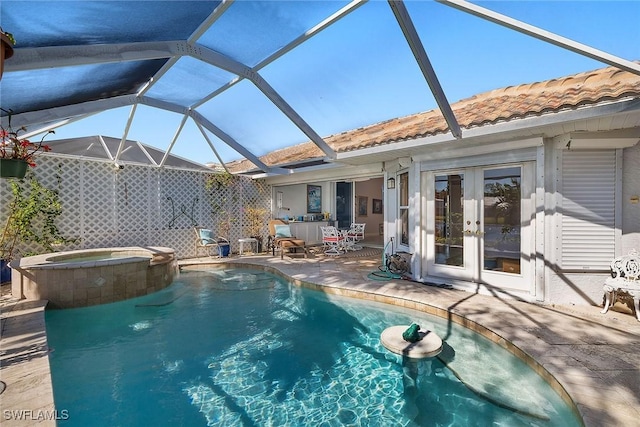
x,y
97,186
132,199
138,205
67,174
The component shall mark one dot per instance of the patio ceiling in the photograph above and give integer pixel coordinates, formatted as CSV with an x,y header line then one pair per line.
x,y
248,74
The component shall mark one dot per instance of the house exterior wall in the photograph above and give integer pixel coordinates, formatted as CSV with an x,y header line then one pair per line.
x,y
630,199
551,283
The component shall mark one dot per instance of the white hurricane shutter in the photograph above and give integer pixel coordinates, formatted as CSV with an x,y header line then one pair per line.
x,y
588,209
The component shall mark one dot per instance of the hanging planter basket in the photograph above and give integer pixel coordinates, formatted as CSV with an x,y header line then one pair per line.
x,y
13,168
6,50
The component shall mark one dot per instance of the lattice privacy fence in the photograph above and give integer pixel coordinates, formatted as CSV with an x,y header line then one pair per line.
x,y
142,205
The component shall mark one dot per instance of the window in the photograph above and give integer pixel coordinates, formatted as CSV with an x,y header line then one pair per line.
x,y
403,205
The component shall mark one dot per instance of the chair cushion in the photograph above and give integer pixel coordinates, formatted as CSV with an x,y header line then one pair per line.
x,y
283,231
206,236
292,243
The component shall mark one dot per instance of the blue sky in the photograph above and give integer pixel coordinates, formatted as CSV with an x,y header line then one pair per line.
x,y
361,71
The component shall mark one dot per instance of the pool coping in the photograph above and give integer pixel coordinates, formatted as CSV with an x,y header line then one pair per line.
x,y
591,359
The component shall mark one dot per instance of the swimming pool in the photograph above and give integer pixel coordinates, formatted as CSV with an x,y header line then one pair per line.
x,y
244,347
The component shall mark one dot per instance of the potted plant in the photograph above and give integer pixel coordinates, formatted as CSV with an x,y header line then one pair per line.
x,y
17,153
256,219
6,48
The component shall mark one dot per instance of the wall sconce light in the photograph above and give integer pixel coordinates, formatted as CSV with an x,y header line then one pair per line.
x,y
391,183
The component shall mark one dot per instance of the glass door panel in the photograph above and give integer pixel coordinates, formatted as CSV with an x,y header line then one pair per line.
x,y
449,216
344,201
403,205
501,219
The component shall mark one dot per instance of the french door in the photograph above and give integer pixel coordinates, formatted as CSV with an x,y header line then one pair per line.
x,y
478,225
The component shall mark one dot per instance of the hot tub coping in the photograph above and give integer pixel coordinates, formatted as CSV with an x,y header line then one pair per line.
x,y
153,255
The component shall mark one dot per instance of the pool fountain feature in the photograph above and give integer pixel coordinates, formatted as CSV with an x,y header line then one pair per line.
x,y
93,276
426,344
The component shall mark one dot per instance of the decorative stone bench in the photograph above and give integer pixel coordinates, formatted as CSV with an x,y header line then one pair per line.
x,y
624,283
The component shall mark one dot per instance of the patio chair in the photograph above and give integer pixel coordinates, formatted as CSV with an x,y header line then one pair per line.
x,y
333,242
280,238
205,239
355,234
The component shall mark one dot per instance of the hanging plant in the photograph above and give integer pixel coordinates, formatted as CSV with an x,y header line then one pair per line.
x,y
16,152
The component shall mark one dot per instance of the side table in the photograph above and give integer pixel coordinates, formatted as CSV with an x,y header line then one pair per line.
x,y
251,241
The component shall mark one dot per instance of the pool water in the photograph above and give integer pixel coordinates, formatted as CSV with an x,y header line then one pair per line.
x,y
246,348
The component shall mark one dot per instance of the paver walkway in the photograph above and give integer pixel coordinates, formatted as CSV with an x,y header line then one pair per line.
x,y
594,357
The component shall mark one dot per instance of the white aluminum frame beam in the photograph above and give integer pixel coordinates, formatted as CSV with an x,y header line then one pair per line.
x,y
298,41
211,19
51,57
221,61
199,118
411,35
50,128
312,32
213,148
75,110
543,35
132,114
174,139
25,59
78,55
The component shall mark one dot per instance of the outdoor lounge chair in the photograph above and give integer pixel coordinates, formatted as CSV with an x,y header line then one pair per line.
x,y
205,239
280,238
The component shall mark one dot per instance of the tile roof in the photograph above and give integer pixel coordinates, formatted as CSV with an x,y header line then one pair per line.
x,y
499,105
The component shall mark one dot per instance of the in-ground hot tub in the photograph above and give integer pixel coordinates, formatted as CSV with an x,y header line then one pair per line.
x,y
93,276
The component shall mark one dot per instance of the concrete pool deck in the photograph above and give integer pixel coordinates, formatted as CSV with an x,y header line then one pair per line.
x,y
594,357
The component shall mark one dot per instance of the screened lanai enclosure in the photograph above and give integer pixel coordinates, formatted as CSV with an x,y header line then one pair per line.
x,y
244,78
477,124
